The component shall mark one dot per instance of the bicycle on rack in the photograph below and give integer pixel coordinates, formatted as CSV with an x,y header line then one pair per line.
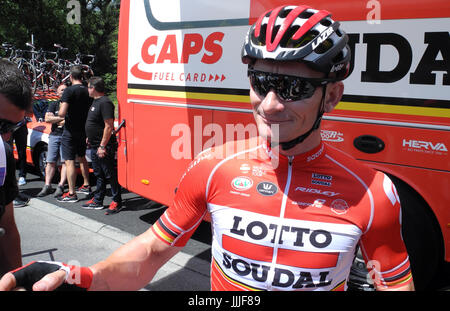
x,y
46,73
16,56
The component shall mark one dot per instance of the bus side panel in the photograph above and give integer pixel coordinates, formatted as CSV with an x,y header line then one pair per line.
x,y
235,125
418,157
125,110
165,140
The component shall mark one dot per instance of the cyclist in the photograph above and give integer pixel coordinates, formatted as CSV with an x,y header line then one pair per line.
x,y
288,211
15,100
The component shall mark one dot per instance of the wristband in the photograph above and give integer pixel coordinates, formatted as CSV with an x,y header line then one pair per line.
x,y
77,278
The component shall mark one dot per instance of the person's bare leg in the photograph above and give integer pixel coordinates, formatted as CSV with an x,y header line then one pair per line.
x,y
84,167
71,175
49,172
63,174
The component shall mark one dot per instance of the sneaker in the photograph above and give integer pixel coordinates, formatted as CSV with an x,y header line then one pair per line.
x,y
59,191
22,181
68,198
114,208
19,203
46,190
84,190
91,204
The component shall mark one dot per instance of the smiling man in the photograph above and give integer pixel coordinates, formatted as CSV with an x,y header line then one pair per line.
x,y
15,100
287,213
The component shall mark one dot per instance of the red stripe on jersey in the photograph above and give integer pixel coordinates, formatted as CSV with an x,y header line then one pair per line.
x,y
307,260
247,249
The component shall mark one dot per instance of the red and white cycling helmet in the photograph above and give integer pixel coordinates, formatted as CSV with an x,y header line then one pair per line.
x,y
299,33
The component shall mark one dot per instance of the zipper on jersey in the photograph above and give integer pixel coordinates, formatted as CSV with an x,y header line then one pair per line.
x,y
282,213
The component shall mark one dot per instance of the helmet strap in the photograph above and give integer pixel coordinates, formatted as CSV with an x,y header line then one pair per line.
x,y
292,143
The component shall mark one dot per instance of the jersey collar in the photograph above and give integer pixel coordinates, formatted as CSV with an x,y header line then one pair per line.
x,y
306,158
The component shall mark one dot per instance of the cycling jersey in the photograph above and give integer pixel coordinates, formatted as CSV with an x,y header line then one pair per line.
x,y
288,223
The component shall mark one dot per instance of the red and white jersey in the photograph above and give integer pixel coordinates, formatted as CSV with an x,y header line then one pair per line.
x,y
288,223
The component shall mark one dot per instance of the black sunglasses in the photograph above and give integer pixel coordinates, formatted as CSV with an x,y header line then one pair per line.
x,y
7,126
287,88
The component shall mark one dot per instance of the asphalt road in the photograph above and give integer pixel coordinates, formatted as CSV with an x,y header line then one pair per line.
x,y
136,217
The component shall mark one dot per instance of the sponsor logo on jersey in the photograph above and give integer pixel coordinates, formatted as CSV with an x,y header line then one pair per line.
x,y
317,191
267,188
317,203
339,206
315,155
321,179
245,168
241,183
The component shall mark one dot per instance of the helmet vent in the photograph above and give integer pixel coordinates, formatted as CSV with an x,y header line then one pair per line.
x,y
326,22
274,33
324,46
339,57
306,14
287,41
284,13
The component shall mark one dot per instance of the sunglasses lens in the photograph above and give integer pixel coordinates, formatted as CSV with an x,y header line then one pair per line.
x,y
287,88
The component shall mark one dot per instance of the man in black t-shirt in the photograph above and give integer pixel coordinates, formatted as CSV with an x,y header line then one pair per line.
x,y
99,131
75,103
15,99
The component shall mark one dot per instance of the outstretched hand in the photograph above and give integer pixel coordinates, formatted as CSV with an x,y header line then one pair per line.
x,y
49,282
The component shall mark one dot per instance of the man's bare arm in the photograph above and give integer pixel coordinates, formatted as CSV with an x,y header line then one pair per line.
x,y
133,265
51,118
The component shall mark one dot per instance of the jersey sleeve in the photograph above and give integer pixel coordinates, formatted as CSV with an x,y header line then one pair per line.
x,y
188,209
382,244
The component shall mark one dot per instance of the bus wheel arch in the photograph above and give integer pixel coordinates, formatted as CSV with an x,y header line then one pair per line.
x,y
422,235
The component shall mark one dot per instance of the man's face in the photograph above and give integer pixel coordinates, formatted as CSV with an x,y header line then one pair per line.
x,y
91,90
10,112
293,118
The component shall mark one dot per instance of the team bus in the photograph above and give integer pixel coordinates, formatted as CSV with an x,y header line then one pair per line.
x,y
182,88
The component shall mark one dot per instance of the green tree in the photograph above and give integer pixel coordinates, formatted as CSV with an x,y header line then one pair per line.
x,y
46,21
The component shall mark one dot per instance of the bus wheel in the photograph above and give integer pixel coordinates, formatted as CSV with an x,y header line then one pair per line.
x,y
422,236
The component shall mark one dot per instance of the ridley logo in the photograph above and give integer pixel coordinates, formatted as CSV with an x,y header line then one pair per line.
x,y
241,183
266,188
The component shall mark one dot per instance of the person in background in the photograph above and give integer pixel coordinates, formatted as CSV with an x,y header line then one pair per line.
x,y
54,151
74,106
15,100
19,137
99,132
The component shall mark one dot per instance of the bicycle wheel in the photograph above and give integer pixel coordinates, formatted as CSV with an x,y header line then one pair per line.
x,y
29,72
49,77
